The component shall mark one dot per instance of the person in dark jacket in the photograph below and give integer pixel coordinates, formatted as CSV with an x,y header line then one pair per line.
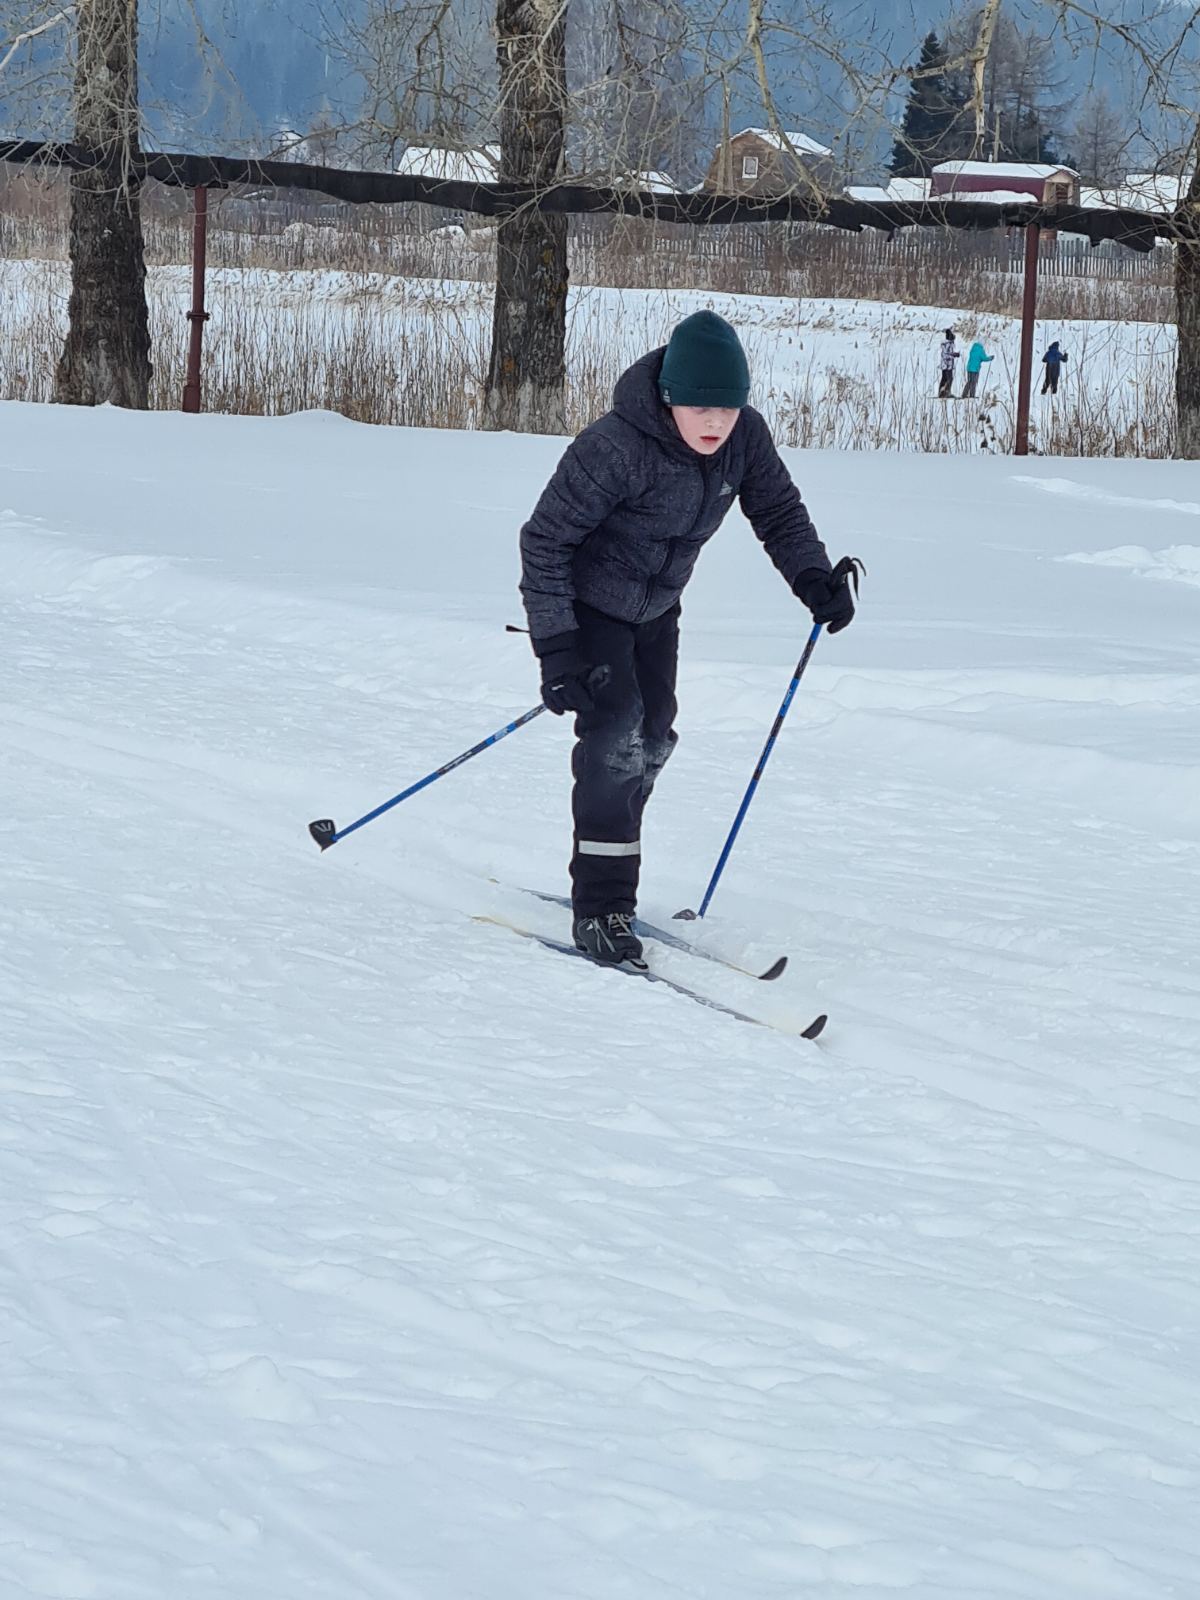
x,y
1053,361
605,557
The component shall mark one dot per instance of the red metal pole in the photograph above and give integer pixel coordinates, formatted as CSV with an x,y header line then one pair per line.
x,y
1033,241
197,316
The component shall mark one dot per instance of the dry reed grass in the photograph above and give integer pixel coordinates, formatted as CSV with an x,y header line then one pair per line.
x,y
400,345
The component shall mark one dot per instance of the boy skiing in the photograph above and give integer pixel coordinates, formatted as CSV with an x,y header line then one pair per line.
x,y
605,557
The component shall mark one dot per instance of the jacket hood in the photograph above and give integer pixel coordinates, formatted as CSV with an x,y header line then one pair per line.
x,y
636,399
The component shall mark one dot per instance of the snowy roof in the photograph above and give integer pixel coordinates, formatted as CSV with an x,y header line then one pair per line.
x,y
1140,191
908,189
289,145
450,166
800,142
650,181
1002,169
916,190
991,197
1152,191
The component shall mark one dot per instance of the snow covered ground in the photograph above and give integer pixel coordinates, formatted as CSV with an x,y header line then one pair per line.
x,y
352,1248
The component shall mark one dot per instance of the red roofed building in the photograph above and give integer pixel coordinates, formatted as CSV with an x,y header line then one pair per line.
x,y
1005,181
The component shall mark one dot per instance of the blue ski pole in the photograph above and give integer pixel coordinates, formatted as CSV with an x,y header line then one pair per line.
x,y
693,916
324,831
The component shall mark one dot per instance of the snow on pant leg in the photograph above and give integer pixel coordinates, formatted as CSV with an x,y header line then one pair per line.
x,y
656,653
945,383
609,766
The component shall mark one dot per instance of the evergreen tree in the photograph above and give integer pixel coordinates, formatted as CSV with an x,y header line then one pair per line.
x,y
932,130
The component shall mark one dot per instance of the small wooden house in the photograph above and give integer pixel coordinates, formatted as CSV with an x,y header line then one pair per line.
x,y
757,162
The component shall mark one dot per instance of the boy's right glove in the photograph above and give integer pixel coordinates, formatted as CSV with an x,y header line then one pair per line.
x,y
568,682
830,596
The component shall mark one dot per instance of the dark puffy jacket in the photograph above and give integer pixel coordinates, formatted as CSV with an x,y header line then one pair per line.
x,y
620,524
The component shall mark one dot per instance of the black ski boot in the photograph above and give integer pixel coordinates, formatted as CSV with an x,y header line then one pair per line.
x,y
610,940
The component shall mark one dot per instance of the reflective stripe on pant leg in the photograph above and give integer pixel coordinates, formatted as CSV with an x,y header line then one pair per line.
x,y
609,768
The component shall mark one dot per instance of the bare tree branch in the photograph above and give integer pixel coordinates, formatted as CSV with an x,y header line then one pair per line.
x,y
55,21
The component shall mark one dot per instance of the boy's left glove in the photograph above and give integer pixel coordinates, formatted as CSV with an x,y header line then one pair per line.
x,y
830,596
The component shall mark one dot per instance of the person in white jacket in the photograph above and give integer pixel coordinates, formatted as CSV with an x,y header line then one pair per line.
x,y
949,355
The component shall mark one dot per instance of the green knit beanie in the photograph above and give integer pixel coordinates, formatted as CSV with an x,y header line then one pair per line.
x,y
705,364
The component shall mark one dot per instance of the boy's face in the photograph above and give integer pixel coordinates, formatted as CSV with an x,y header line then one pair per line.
x,y
705,428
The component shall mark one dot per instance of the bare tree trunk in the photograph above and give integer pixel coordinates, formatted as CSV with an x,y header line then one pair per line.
x,y
1187,300
527,375
1187,316
106,357
989,17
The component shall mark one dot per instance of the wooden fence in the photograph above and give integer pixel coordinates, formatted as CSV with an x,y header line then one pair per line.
x,y
917,266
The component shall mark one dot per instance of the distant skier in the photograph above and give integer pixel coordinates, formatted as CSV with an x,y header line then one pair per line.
x,y
949,354
604,559
1053,361
975,361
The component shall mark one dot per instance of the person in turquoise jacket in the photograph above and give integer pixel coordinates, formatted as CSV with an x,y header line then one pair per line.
x,y
975,360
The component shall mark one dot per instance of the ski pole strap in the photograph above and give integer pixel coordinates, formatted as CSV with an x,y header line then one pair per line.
x,y
325,833
852,569
762,760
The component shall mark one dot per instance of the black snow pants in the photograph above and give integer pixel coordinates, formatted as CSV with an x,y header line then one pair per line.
x,y
622,745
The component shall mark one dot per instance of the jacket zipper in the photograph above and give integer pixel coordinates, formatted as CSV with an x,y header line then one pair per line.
x,y
653,577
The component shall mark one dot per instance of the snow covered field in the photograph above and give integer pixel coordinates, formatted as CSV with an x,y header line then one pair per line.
x,y
845,374
352,1248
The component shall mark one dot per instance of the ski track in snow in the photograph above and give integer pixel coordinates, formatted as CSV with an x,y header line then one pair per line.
x,y
351,1249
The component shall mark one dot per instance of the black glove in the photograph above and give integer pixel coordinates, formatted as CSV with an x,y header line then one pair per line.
x,y
830,596
568,682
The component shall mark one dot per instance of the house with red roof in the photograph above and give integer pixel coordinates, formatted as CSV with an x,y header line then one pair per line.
x,y
1005,182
